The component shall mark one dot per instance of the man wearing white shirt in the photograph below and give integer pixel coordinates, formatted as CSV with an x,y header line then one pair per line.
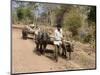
x,y
58,41
58,36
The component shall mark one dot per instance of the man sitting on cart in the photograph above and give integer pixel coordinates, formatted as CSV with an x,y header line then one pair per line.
x,y
58,37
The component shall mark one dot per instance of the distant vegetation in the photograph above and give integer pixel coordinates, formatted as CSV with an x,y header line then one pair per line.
x,y
78,19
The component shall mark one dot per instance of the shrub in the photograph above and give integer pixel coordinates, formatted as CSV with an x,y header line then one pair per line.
x,y
73,21
24,15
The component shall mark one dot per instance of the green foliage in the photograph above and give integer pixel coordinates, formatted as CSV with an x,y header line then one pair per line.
x,y
60,13
87,38
24,14
73,21
88,35
73,18
20,13
92,14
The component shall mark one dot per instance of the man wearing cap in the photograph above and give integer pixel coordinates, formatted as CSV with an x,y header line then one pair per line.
x,y
58,36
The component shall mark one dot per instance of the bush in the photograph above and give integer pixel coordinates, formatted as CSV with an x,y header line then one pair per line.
x,y
87,38
73,21
24,15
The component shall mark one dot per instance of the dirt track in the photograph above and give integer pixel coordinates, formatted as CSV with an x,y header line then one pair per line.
x,y
25,59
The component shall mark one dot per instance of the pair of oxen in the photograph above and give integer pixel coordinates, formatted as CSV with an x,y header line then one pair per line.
x,y
42,39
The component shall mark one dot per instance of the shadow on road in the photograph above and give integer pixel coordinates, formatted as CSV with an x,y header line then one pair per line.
x,y
48,53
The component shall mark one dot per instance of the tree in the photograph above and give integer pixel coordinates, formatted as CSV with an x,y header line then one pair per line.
x,y
25,11
60,13
73,20
92,14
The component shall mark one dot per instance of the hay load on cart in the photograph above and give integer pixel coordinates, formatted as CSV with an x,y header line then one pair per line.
x,y
28,30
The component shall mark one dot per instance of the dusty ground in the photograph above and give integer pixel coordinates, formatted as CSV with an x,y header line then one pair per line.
x,y
25,59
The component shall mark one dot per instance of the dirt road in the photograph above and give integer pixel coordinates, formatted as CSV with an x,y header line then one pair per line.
x,y
25,59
